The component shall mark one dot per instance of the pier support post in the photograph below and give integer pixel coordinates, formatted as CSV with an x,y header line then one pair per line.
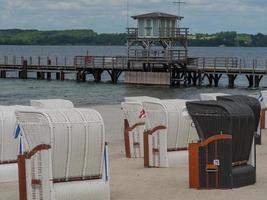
x,y
254,80
231,80
48,76
258,79
250,80
40,75
3,74
23,72
97,73
175,78
200,79
216,79
190,78
57,75
78,76
210,79
62,76
83,76
115,74
194,78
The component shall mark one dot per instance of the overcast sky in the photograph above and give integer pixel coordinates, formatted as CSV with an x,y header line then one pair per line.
x,y
207,16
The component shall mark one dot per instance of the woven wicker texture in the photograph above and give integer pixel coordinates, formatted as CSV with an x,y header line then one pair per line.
x,y
52,103
77,154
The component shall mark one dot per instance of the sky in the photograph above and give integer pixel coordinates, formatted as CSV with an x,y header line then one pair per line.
x,y
106,16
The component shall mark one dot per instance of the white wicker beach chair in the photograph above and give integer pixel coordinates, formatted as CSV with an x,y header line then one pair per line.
x,y
169,131
210,96
52,103
9,145
134,125
66,156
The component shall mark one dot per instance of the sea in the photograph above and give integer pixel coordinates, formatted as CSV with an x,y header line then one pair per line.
x,y
14,91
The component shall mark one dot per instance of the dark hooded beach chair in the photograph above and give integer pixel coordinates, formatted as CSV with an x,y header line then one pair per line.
x,y
225,156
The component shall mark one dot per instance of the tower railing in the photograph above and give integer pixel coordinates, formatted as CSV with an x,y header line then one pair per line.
x,y
133,33
157,55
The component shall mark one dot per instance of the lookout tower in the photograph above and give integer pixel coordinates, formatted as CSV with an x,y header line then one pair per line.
x,y
157,43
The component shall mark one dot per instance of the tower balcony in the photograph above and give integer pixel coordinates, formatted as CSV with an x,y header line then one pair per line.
x,y
161,33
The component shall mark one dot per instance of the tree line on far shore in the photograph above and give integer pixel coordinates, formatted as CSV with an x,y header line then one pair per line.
x,y
90,37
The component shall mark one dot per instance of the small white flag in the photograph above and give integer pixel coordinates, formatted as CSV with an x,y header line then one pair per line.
x,y
142,114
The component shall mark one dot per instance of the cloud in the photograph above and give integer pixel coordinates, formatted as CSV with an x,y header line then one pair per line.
x,y
110,15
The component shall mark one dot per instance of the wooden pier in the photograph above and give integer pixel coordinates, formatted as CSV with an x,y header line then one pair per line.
x,y
194,73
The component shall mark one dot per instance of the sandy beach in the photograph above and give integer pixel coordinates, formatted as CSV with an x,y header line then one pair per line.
x,y
131,181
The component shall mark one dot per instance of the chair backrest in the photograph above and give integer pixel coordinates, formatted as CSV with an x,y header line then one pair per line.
x,y
140,99
252,102
173,115
132,112
132,108
52,103
76,137
9,145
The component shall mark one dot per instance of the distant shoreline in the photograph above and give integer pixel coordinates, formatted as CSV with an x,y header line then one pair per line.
x,y
86,37
103,45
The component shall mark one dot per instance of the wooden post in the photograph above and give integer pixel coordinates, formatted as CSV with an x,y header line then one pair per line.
x,y
22,177
146,149
42,75
250,80
78,76
115,75
257,80
97,74
210,78
3,74
231,80
200,78
57,75
194,78
38,75
216,79
190,78
193,157
62,76
23,73
83,77
126,139
48,76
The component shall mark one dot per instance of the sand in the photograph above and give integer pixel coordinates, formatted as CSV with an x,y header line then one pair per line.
x,y
131,181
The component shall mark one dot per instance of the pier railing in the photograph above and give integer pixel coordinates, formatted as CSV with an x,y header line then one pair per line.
x,y
204,64
133,33
104,62
157,55
228,63
173,32
36,60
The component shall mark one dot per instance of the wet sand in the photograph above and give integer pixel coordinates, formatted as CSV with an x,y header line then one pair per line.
x,y
129,180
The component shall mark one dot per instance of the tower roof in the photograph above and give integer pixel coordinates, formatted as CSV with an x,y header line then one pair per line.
x,y
157,15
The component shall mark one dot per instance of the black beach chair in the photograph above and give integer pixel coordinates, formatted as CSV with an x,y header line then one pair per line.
x,y
225,156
